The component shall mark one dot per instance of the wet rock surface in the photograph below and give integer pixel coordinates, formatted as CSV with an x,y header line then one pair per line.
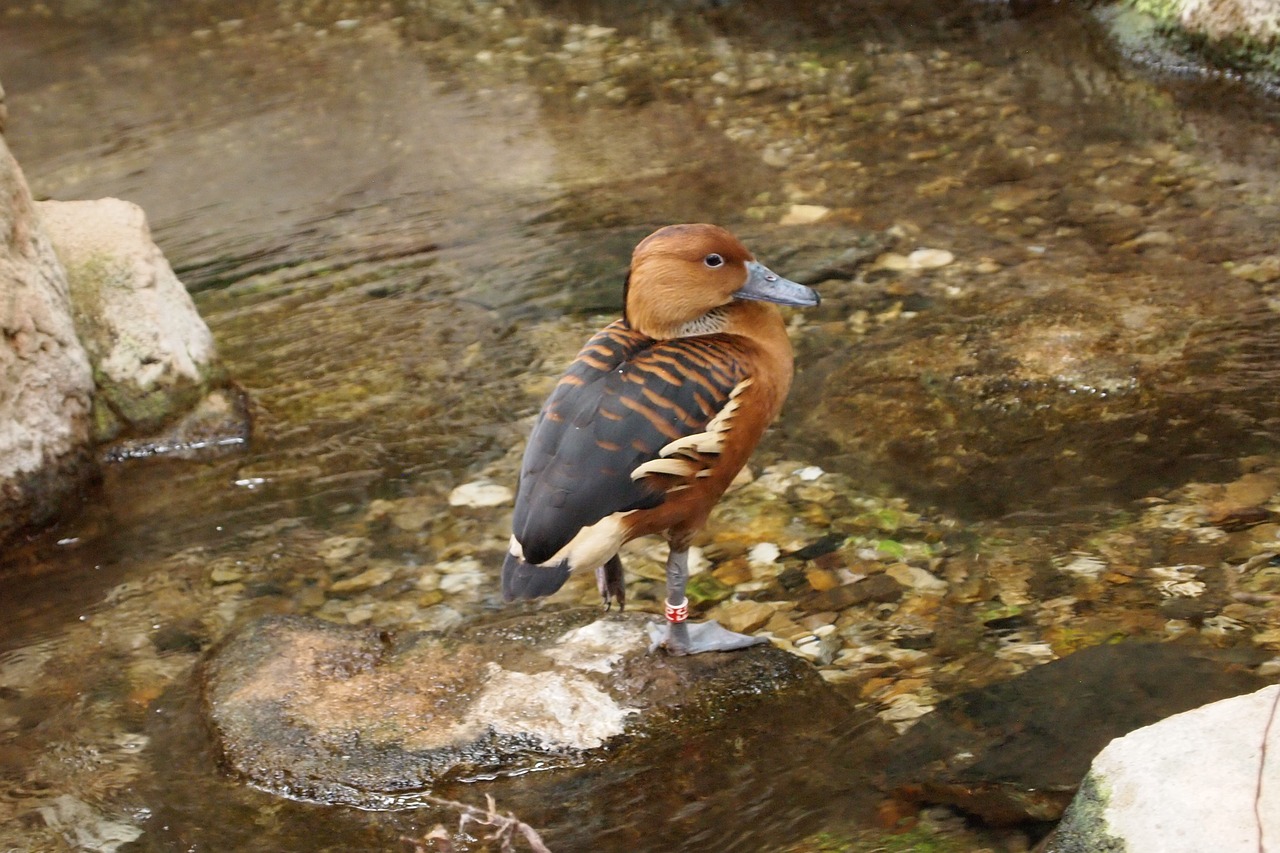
x,y
1016,751
346,715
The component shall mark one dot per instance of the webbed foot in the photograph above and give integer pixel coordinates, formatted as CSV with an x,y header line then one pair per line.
x,y
691,638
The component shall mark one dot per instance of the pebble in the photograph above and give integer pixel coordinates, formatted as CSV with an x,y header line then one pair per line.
x,y
1151,238
339,550
440,618
1263,271
359,614
376,576
481,493
904,710
744,617
461,575
804,214
924,259
763,554
917,578
820,649
226,574
920,259
1085,565
775,157
414,514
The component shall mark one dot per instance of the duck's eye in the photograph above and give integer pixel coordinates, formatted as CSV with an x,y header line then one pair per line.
x,y
713,260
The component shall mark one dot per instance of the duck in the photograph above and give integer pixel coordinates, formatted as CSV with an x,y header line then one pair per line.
x,y
652,421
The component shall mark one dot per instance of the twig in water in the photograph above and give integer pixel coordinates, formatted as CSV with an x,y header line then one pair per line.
x,y
505,827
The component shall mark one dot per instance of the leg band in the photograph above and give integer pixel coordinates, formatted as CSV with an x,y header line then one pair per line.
x,y
677,612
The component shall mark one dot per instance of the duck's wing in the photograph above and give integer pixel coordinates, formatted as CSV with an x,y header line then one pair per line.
x,y
627,410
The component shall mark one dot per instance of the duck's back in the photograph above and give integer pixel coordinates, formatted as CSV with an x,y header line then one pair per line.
x,y
623,401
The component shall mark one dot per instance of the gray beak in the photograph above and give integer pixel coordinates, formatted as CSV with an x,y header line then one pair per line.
x,y
767,286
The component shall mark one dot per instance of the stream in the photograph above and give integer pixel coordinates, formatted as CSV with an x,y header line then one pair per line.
x,y
401,219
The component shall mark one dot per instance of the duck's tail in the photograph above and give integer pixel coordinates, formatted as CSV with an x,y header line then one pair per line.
x,y
525,580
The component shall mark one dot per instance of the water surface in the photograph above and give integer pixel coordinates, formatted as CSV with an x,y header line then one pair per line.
x,y
399,227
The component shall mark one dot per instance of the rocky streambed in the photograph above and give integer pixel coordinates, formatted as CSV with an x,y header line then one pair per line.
x,y
1032,444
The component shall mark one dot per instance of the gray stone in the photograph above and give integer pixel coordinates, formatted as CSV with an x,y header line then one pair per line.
x,y
313,710
153,356
1195,781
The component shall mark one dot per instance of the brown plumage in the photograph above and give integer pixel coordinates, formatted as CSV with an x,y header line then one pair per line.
x,y
653,419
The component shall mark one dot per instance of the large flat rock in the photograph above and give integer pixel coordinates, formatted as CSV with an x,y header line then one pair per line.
x,y
317,711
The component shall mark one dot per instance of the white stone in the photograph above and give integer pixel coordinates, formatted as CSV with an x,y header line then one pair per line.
x,y
480,493
893,261
804,214
917,578
925,259
810,473
763,554
1086,565
1191,783
920,259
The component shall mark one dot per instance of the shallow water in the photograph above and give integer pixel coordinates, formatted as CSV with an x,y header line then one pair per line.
x,y
398,240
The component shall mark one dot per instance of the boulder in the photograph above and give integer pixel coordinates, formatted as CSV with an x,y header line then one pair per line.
x,y
1205,779
317,711
1230,19
46,385
153,356
1241,37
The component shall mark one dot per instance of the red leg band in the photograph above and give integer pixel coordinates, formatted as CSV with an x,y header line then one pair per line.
x,y
677,612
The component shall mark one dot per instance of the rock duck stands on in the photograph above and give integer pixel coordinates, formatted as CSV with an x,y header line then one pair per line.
x,y
652,421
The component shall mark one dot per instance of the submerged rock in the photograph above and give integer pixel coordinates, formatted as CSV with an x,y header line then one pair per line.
x,y
311,710
1016,751
1037,395
1200,780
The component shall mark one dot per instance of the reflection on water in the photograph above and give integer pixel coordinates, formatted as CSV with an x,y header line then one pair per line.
x,y
386,234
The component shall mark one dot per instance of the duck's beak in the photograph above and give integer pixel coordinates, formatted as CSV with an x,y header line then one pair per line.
x,y
767,286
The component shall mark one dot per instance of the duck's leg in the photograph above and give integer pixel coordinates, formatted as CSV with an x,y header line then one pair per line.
x,y
609,581
683,638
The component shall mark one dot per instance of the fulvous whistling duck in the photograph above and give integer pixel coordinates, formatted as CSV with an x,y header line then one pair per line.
x,y
652,421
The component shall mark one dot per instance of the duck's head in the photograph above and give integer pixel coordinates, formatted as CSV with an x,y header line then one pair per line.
x,y
684,280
